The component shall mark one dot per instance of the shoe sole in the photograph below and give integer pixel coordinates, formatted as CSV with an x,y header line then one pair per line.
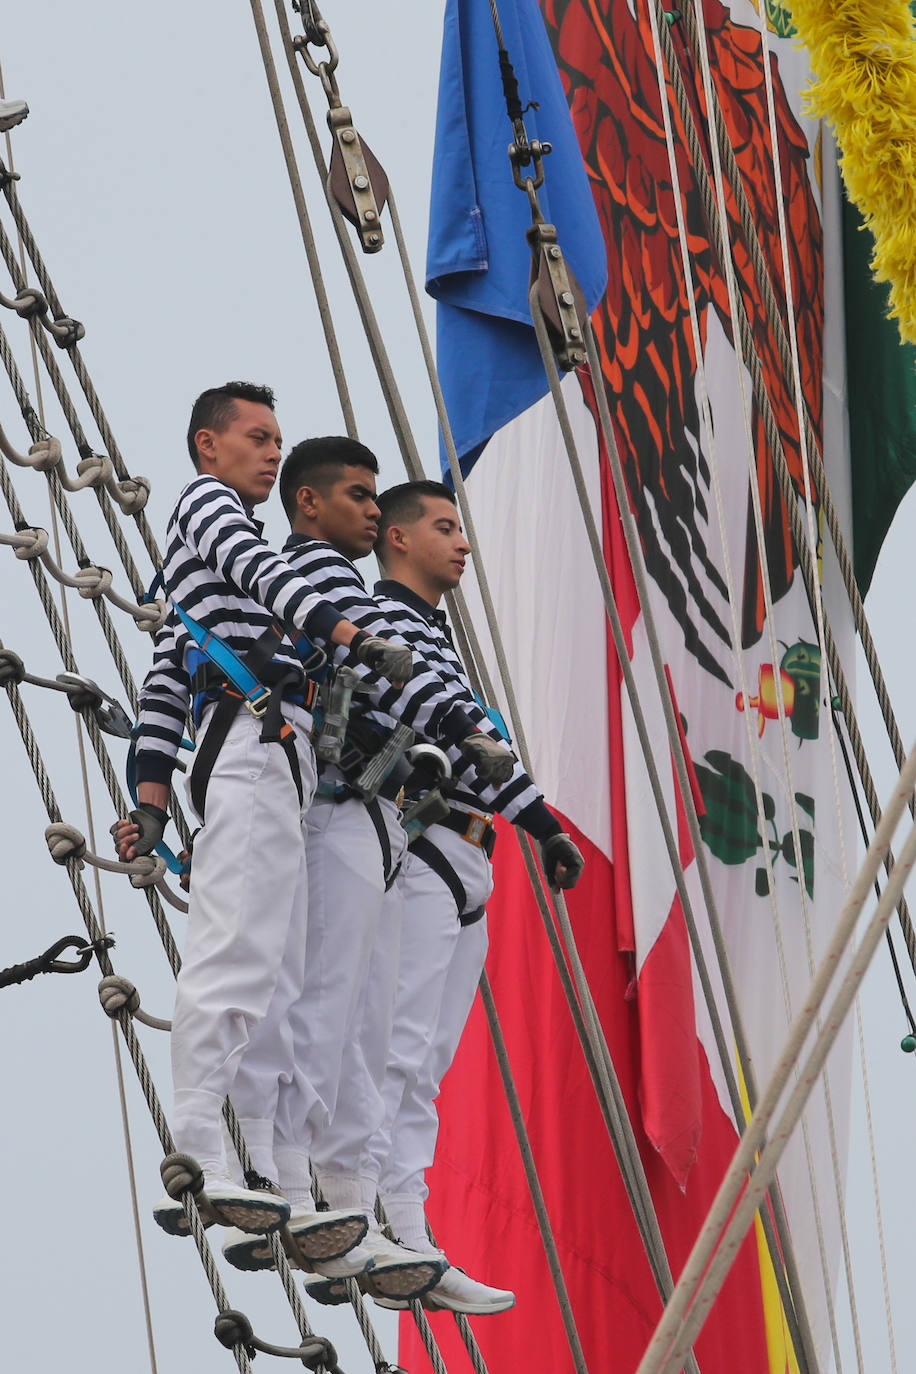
x,y
404,1281
254,1217
328,1241
331,1293
174,1223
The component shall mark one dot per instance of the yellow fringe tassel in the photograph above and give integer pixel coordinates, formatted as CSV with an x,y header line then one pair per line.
x,y
863,54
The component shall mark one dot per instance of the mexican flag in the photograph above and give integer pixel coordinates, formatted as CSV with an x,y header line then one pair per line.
x,y
777,836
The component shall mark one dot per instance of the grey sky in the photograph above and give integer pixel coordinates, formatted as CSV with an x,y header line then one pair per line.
x,y
153,180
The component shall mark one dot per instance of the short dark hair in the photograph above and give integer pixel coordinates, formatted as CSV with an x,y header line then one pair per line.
x,y
320,463
215,408
403,504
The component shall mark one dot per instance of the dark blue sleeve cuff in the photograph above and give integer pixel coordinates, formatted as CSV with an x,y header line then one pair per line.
x,y
155,768
540,822
458,725
320,623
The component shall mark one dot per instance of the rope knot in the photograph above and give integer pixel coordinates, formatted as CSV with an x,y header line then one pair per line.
x,y
317,1352
179,1174
37,545
93,582
95,470
147,870
47,453
30,302
233,1328
65,842
12,668
66,331
132,494
150,617
117,994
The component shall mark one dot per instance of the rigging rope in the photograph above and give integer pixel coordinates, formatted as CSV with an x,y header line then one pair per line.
x,y
747,1178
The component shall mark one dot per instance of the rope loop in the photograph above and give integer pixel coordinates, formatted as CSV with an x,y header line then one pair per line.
x,y
180,1174
147,870
27,303
51,962
94,471
150,617
46,454
65,842
65,331
118,994
233,1328
12,668
35,543
131,495
93,582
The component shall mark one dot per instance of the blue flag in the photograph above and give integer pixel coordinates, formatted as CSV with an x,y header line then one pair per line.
x,y
478,260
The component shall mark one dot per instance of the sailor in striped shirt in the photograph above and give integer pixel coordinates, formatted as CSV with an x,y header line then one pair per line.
x,y
354,847
445,881
245,945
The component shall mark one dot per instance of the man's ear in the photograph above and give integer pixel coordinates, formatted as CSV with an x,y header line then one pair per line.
x,y
396,538
204,440
307,501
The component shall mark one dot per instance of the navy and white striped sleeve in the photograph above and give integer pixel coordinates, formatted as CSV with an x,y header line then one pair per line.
x,y
432,707
164,701
215,527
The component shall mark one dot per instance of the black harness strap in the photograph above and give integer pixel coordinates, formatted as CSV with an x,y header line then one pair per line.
x,y
381,830
274,729
434,859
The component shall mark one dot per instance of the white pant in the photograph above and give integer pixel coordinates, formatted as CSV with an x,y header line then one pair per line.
x,y
245,945
346,904
440,967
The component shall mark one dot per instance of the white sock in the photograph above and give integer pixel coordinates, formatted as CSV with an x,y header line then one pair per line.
x,y
407,1217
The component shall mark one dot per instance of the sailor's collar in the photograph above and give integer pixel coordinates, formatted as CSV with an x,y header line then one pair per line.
x,y
398,592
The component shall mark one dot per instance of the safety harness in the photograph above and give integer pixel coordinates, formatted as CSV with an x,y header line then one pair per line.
x,y
372,765
252,679
477,830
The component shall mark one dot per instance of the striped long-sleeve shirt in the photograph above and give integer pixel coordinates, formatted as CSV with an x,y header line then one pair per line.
x,y
425,629
432,707
218,568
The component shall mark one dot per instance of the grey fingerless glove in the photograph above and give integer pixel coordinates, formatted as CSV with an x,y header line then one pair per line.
x,y
393,661
494,764
151,821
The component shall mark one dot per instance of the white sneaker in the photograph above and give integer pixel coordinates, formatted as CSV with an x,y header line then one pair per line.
x,y
255,1210
329,1292
12,112
171,1216
396,1271
456,1292
308,1236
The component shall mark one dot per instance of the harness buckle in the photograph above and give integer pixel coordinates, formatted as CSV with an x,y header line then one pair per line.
x,y
258,702
477,828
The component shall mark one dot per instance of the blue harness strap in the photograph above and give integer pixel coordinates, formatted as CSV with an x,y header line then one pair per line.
x,y
496,718
254,694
